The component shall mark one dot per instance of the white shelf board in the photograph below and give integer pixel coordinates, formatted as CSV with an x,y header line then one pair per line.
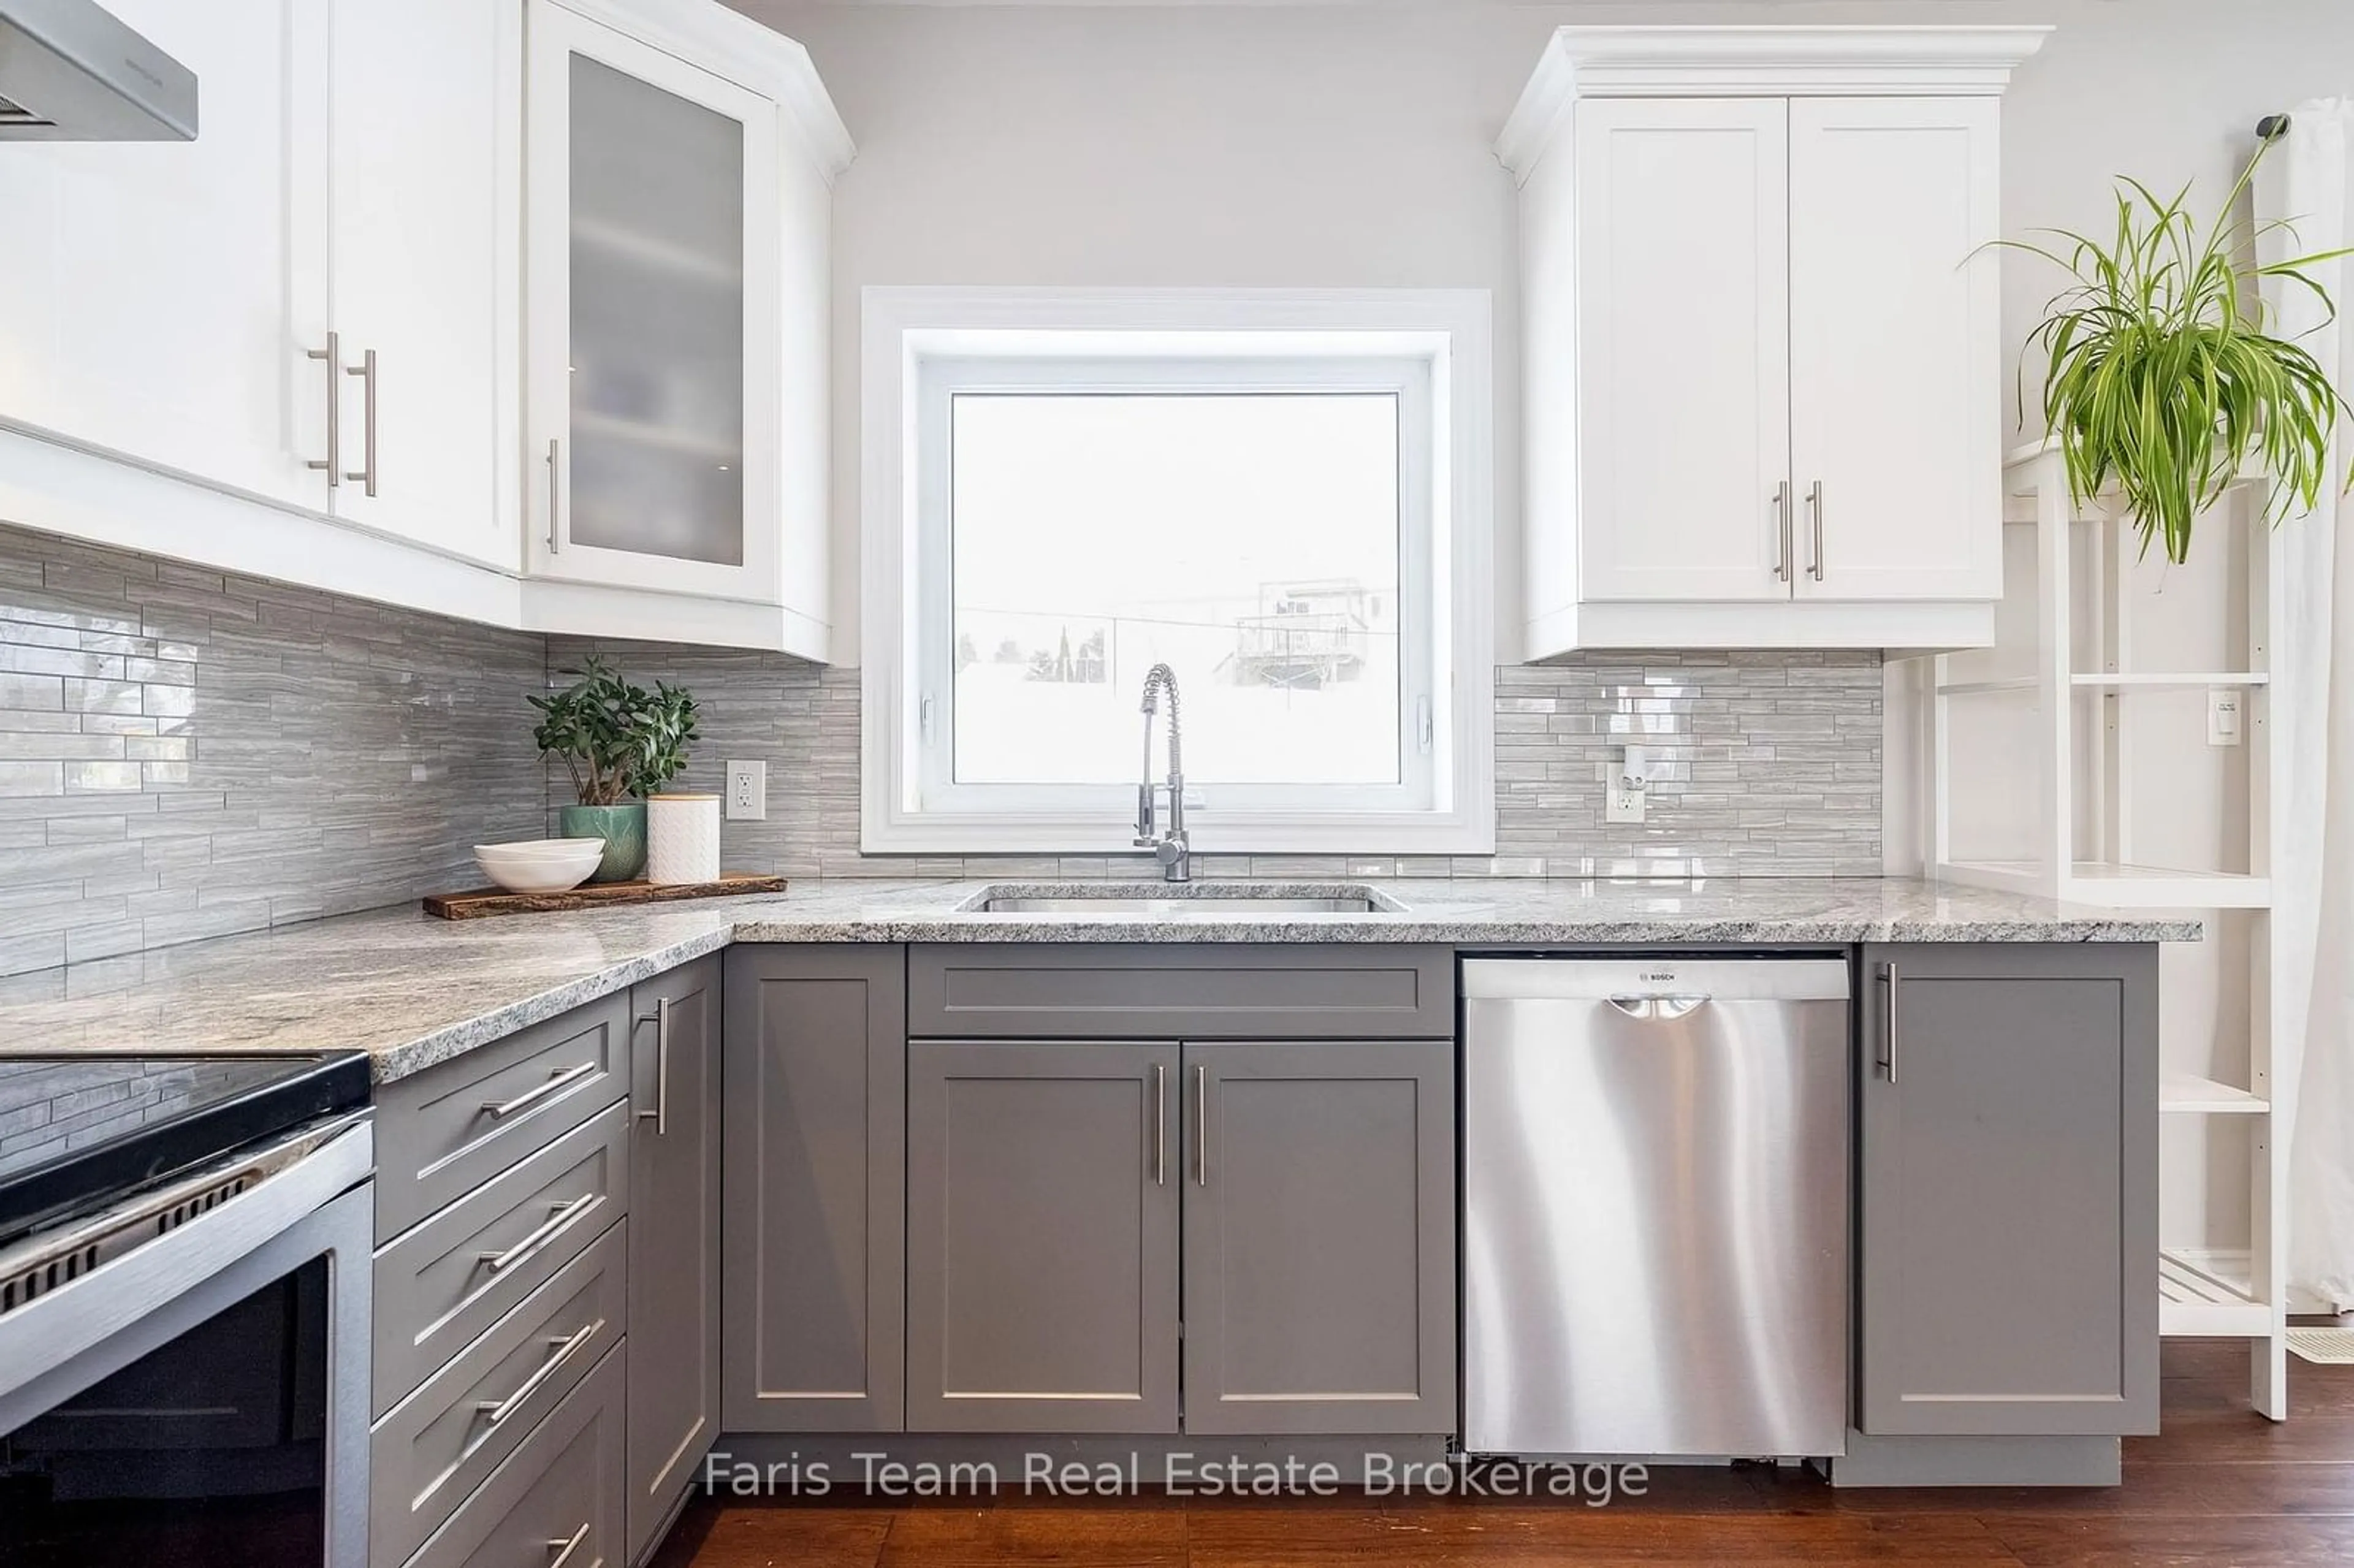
x,y
2206,1295
2100,883
654,253
2188,1094
2191,681
1987,688
656,438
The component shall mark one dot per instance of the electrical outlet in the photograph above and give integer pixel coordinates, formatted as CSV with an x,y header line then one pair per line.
x,y
2222,715
1621,804
747,791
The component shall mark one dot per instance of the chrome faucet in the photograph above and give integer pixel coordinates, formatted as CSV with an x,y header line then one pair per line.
x,y
1172,848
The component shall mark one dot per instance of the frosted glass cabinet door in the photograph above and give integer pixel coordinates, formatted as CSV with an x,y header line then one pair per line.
x,y
651,224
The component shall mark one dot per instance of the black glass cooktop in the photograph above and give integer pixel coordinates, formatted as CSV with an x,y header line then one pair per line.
x,y
78,1131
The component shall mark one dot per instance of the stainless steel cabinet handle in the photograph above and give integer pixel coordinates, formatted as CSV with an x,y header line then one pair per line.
x,y
1160,1123
498,1410
559,1220
565,1548
1782,532
660,1114
365,371
555,502
1200,1126
332,463
1887,1063
532,1096
1814,512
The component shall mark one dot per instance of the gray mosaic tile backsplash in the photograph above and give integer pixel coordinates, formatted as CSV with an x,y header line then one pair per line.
x,y
185,755
1765,764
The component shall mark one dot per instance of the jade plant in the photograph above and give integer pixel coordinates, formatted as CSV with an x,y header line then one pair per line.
x,y
2165,378
618,741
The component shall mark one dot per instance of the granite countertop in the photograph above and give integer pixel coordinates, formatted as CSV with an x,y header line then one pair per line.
x,y
413,990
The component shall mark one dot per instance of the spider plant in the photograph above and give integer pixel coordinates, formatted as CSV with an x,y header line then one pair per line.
x,y
2164,378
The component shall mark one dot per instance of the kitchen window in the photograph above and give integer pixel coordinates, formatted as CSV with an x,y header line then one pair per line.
x,y
1281,497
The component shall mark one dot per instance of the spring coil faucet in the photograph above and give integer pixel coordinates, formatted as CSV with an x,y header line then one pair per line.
x,y
1172,848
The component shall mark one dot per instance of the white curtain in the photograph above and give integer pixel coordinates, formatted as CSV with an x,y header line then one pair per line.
x,y
2305,180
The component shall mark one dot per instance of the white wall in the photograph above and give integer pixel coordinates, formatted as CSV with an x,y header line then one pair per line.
x,y
1344,146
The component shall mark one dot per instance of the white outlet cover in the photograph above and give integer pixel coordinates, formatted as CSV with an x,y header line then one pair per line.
x,y
746,799
1622,805
2223,712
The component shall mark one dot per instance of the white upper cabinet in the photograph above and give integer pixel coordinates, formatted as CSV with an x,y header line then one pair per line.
x,y
514,309
676,204
423,251
1897,400
151,301
1763,391
1684,253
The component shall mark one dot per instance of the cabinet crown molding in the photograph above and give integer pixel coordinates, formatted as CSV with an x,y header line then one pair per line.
x,y
1756,62
758,58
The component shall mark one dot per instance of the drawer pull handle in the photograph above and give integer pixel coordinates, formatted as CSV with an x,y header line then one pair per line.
x,y
332,463
559,1221
565,1548
559,1079
1160,1123
498,1410
1200,1126
365,371
1887,1063
660,1114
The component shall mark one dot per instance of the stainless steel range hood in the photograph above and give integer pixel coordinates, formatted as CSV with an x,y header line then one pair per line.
x,y
69,71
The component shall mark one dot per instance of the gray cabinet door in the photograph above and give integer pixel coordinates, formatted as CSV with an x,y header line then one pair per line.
x,y
1319,1237
1041,1237
2008,1189
675,1271
816,1125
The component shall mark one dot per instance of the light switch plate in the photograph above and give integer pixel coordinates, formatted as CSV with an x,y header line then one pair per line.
x,y
1620,804
2223,712
747,791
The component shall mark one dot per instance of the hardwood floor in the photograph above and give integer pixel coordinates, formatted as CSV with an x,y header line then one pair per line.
x,y
2219,1486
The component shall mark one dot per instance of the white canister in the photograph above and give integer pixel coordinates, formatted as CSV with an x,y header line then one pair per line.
x,y
682,839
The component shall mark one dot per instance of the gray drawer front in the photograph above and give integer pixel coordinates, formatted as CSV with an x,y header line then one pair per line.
x,y
436,1289
440,1443
1136,991
440,1135
562,1482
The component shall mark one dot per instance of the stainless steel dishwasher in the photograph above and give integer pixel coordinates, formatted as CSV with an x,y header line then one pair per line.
x,y
1655,1197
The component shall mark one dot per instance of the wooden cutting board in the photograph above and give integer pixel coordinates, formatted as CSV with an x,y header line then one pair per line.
x,y
482,901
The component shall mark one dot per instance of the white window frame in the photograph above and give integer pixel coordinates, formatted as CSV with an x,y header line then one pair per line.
x,y
1431,348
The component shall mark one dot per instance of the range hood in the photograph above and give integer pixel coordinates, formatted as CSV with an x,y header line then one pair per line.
x,y
69,71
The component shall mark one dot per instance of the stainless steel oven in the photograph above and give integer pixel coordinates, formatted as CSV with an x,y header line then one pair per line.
x,y
184,1365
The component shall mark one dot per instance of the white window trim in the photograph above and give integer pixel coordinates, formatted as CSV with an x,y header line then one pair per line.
x,y
1433,345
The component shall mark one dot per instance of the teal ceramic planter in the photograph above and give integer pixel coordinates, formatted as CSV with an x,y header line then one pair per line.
x,y
623,829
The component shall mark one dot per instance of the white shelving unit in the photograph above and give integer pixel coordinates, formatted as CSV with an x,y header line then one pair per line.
x,y
2237,1295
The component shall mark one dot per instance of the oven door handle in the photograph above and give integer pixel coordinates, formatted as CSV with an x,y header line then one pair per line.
x,y
88,1310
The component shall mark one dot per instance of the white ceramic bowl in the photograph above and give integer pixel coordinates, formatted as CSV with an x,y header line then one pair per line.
x,y
540,865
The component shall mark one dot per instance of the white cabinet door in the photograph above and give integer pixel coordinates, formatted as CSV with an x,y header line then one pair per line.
x,y
1896,392
1683,376
156,298
653,239
424,250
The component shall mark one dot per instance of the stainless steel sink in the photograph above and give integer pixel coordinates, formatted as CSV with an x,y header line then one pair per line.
x,y
1179,900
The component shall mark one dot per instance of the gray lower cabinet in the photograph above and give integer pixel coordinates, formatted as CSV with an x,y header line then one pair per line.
x,y
1319,1237
1043,1184
815,1135
2007,1188
675,1243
